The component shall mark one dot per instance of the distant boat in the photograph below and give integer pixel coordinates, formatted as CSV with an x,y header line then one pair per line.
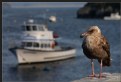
x,y
113,16
39,45
52,18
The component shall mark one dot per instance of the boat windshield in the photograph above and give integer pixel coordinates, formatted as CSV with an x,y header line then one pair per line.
x,y
40,28
35,44
34,28
29,44
28,28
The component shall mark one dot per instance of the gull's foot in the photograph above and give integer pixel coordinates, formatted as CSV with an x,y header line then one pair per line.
x,y
92,76
101,76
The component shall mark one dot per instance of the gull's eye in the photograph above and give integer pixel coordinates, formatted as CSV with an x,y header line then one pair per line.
x,y
91,31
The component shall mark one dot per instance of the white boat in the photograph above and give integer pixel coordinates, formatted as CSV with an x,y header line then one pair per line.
x,y
114,16
39,44
52,18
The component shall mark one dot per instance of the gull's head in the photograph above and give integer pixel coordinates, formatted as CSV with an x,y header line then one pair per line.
x,y
93,30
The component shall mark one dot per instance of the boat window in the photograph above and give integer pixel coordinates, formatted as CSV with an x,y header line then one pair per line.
x,y
28,28
36,45
48,45
29,44
34,28
40,28
45,45
42,45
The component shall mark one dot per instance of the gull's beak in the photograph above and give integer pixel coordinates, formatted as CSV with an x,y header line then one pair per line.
x,y
83,34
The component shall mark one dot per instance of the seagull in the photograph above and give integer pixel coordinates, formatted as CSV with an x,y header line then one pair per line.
x,y
96,46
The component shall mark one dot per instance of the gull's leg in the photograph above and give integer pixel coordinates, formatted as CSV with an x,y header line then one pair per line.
x,y
100,75
92,65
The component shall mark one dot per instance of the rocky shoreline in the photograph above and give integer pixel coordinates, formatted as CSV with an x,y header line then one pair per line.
x,y
98,10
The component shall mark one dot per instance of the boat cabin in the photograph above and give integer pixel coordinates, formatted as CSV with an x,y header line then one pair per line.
x,y
37,37
34,27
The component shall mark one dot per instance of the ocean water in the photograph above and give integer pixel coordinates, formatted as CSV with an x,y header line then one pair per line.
x,y
69,29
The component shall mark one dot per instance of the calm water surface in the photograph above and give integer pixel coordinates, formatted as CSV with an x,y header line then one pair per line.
x,y
69,29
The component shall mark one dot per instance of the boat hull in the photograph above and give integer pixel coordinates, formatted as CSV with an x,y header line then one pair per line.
x,y
113,18
33,56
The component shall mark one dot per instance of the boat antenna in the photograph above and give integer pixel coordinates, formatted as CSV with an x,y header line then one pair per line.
x,y
45,20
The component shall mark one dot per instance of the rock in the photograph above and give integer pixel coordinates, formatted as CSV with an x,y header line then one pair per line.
x,y
114,77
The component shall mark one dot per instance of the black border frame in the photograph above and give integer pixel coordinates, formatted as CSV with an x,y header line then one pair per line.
x,y
61,1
